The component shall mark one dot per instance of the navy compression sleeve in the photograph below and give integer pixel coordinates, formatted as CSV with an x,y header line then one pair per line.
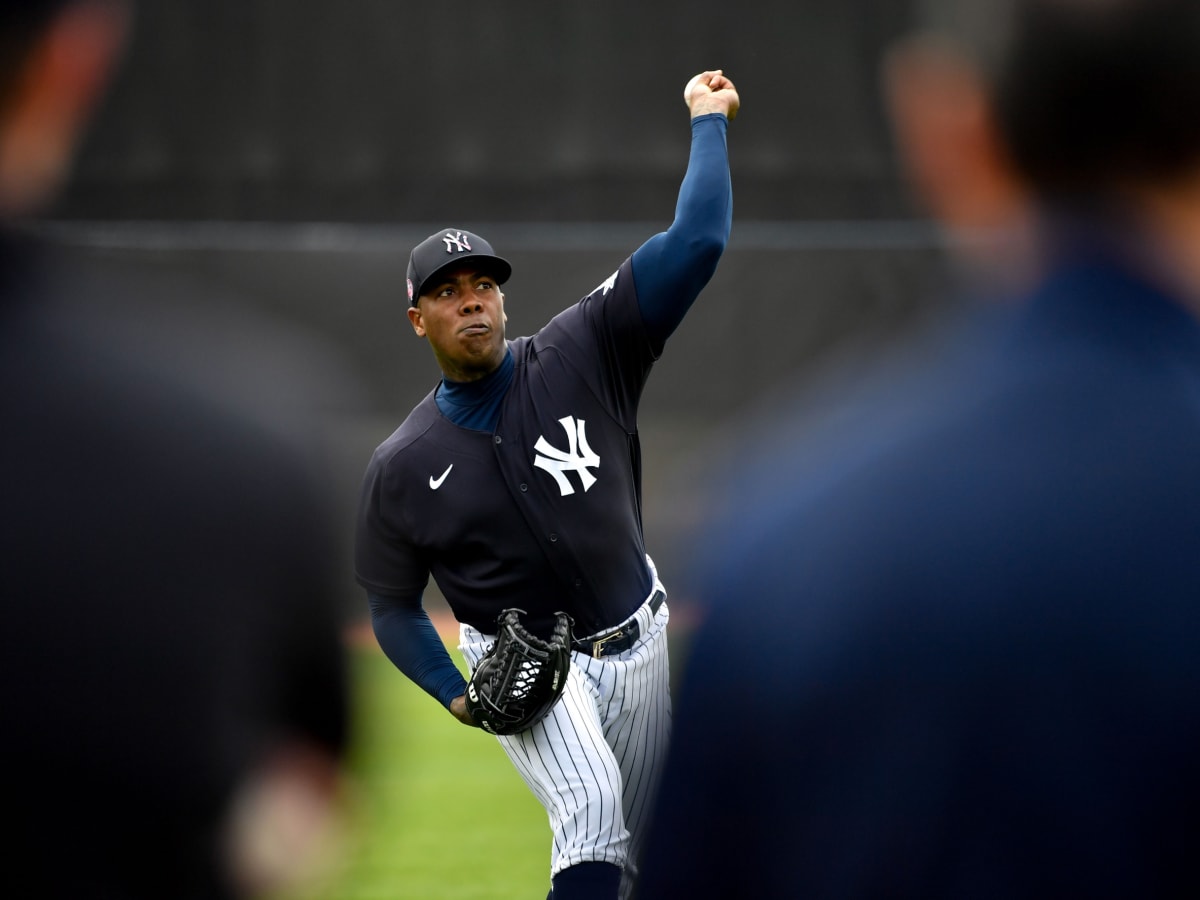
x,y
414,646
672,267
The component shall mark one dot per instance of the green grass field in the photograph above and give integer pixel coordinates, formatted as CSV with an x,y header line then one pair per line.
x,y
438,811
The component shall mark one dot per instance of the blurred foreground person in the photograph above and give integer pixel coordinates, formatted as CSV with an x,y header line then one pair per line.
x,y
172,680
951,645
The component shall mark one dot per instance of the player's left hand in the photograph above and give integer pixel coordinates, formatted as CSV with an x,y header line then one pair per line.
x,y
711,92
458,709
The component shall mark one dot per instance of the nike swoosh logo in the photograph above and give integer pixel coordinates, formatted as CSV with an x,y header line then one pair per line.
x,y
435,483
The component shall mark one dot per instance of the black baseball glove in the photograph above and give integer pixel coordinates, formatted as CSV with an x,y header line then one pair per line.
x,y
521,676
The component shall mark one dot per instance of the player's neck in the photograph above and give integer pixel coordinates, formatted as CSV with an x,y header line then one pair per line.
x,y
1172,215
476,404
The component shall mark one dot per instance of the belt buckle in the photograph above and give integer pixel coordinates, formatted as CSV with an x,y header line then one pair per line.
x,y
598,645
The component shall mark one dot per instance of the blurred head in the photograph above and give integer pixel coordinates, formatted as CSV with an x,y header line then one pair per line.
x,y
1069,103
56,58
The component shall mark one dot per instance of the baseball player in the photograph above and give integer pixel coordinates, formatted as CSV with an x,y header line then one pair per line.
x,y
516,484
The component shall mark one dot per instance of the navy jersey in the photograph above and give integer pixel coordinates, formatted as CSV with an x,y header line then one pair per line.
x,y
170,577
544,514
979,586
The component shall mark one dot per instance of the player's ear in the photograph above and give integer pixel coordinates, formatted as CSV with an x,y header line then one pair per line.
x,y
414,316
946,132
60,83
957,160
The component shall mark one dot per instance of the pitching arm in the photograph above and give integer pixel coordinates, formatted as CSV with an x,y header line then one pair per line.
x,y
671,268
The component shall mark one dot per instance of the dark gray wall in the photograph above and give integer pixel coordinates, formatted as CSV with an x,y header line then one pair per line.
x,y
379,110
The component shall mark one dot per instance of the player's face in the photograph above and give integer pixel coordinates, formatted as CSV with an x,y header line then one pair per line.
x,y
462,315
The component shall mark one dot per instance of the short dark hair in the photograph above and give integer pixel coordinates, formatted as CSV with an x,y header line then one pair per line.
x,y
1090,94
20,23
27,11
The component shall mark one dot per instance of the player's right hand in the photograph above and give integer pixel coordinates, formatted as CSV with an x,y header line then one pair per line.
x,y
711,92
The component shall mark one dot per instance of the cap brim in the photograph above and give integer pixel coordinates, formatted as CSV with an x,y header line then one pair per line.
x,y
496,266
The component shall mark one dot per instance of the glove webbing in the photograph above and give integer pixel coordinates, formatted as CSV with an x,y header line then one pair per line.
x,y
521,669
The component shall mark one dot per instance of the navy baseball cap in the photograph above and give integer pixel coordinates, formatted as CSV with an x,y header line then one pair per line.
x,y
451,247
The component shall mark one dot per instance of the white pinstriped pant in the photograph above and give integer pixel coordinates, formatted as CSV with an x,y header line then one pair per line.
x,y
594,761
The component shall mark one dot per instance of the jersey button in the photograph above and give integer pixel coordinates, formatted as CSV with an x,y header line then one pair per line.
x,y
497,439
524,487
553,538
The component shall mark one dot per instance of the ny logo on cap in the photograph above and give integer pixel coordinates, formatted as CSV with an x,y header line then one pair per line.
x,y
458,239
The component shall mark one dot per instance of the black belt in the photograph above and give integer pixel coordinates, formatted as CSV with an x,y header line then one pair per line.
x,y
621,638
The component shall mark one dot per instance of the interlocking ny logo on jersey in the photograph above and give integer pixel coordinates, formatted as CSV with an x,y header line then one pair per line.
x,y
578,456
458,241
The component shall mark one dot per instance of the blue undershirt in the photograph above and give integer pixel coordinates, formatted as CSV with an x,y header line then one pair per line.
x,y
669,272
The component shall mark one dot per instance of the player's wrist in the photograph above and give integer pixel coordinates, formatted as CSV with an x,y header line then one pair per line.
x,y
708,108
